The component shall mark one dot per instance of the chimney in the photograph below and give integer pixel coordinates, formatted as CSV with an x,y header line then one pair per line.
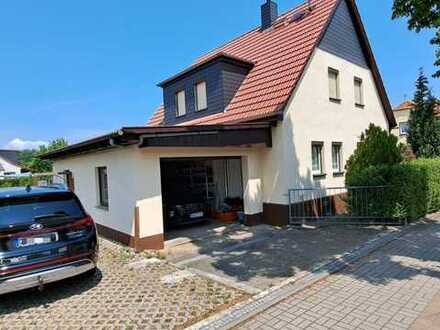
x,y
269,14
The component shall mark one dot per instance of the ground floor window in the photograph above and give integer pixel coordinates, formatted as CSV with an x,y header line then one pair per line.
x,y
102,186
337,157
317,158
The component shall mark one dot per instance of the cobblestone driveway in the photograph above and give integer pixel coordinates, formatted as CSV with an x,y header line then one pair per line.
x,y
155,296
389,290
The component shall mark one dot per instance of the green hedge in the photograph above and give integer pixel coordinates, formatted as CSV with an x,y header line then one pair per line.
x,y
15,182
413,188
431,173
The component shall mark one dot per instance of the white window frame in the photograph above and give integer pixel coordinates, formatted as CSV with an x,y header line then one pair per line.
x,y
400,128
361,102
180,111
337,97
320,171
339,160
197,96
102,187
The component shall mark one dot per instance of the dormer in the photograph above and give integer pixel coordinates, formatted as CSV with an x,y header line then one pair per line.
x,y
203,89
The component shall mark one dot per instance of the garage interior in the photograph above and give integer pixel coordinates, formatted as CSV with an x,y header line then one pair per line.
x,y
201,191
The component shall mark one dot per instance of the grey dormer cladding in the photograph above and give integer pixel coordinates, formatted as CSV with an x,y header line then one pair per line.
x,y
341,38
223,78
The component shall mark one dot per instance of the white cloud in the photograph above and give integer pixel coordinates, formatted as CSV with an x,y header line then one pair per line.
x,y
19,144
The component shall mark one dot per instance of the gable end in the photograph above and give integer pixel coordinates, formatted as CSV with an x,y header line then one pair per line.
x,y
341,38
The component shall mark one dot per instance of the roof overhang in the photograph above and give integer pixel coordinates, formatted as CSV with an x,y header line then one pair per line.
x,y
230,135
365,43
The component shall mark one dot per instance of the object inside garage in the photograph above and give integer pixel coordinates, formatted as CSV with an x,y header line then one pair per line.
x,y
195,190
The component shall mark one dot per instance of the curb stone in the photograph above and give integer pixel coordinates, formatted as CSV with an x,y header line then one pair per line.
x,y
257,304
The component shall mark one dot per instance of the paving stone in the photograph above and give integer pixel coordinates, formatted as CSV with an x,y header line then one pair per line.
x,y
118,296
387,290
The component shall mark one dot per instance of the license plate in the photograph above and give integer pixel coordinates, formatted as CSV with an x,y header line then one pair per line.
x,y
36,240
196,215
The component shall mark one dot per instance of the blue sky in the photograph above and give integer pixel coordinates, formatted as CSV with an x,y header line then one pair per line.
x,y
77,69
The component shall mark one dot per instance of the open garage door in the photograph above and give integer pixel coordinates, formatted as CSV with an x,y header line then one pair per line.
x,y
195,190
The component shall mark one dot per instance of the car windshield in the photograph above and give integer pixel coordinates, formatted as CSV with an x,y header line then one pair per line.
x,y
30,208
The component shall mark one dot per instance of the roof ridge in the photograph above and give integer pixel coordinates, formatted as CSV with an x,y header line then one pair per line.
x,y
280,18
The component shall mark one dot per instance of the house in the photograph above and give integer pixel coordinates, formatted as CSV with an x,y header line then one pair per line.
x,y
9,163
282,106
402,113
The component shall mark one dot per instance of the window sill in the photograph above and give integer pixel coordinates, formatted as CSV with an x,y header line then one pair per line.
x,y
338,101
200,110
101,207
338,174
319,176
360,106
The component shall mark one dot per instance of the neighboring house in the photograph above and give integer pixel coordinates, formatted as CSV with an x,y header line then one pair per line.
x,y
282,106
402,114
9,163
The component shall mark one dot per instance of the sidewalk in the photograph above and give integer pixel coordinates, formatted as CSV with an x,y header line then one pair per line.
x,y
396,287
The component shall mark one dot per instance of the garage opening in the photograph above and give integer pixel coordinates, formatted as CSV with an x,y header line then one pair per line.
x,y
201,191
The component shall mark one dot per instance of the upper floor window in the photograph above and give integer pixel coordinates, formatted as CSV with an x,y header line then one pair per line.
x,y
337,157
403,128
180,101
333,79
358,92
317,158
102,186
200,95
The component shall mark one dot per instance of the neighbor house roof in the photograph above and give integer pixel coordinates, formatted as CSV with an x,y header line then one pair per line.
x,y
11,156
409,105
405,105
280,55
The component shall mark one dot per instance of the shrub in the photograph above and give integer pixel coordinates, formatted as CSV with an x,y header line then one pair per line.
x,y
377,147
15,182
431,172
413,188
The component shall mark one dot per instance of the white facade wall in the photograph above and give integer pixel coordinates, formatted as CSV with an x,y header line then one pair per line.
x,y
8,167
134,180
134,174
402,116
311,116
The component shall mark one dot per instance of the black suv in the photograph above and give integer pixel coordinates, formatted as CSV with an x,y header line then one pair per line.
x,y
45,236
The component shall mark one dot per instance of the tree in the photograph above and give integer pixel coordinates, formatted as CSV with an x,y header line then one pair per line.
x,y
376,147
30,159
421,14
424,127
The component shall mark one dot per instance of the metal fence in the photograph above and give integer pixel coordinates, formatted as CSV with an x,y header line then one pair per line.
x,y
343,205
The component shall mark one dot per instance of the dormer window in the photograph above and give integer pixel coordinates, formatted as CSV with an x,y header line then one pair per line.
x,y
186,94
201,99
180,103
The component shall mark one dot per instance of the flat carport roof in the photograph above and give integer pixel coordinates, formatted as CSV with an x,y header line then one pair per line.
x,y
227,135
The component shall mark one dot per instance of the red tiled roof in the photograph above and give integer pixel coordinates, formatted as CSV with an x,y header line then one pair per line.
x,y
158,117
206,61
405,105
408,105
280,55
